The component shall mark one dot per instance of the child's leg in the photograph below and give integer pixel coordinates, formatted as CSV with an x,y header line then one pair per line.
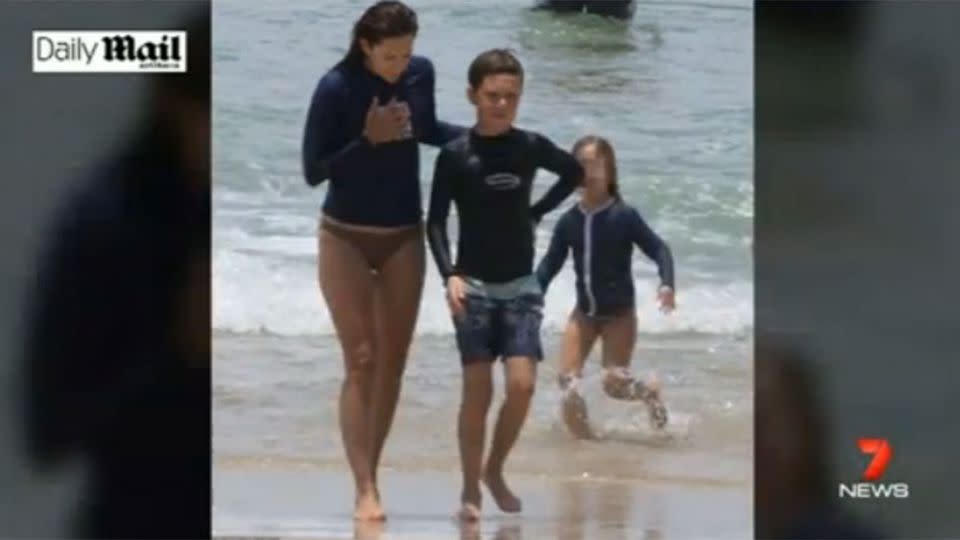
x,y
475,334
471,428
619,339
520,320
578,340
520,376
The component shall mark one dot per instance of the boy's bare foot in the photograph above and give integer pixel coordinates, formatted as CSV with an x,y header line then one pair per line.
x,y
470,505
368,508
505,499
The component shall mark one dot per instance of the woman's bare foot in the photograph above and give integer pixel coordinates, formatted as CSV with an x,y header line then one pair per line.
x,y
469,513
470,505
367,530
505,499
368,508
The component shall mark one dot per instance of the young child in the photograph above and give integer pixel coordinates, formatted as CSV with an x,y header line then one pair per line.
x,y
602,231
494,296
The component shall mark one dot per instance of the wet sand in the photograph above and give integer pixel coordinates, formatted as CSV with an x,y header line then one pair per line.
x,y
316,504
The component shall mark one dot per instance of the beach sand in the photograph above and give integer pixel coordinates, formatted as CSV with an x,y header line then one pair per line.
x,y
316,504
280,469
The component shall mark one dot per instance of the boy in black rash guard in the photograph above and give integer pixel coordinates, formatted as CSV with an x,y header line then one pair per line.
x,y
602,231
493,294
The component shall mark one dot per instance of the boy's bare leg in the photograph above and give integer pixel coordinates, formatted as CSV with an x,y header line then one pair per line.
x,y
619,339
578,340
471,427
521,374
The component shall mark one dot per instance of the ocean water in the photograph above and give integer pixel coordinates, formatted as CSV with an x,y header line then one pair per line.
x,y
672,89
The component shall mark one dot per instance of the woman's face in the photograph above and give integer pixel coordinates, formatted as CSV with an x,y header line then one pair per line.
x,y
390,57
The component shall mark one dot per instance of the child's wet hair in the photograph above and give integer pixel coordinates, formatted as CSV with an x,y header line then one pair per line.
x,y
606,153
493,62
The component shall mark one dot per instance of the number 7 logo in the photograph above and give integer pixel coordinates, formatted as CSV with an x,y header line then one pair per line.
x,y
881,451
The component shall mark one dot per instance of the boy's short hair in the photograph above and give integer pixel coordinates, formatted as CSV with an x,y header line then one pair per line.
x,y
493,62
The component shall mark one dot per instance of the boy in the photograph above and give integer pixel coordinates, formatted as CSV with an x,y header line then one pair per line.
x,y
494,296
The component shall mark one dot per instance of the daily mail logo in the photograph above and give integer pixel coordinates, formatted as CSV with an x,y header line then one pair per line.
x,y
109,51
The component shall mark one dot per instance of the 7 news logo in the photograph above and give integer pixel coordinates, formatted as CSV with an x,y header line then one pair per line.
x,y
871,488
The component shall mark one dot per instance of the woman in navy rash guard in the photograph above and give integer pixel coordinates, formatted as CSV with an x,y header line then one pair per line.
x,y
366,118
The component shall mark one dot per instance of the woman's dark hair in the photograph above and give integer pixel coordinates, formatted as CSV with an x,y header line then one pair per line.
x,y
605,151
383,20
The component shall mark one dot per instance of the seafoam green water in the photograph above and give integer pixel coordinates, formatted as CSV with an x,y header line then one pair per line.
x,y
672,89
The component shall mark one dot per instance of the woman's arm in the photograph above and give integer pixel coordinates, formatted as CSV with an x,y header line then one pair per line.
x,y
435,132
321,159
88,361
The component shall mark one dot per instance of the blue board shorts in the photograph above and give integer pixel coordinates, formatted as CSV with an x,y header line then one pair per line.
x,y
500,321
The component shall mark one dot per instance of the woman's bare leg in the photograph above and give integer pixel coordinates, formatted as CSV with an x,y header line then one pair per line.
x,y
348,286
578,340
619,339
396,307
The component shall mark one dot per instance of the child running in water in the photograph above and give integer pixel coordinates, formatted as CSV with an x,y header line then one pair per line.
x,y
602,231
494,296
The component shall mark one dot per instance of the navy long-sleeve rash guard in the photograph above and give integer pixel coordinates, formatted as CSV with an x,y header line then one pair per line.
x,y
371,185
490,180
602,243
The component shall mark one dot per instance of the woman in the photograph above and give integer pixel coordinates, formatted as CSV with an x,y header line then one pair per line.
x,y
117,351
367,116
602,231
794,479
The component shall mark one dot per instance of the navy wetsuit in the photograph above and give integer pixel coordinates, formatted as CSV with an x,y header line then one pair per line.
x,y
103,376
490,181
602,241
371,185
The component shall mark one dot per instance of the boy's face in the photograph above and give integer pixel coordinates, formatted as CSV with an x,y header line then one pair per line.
x,y
496,100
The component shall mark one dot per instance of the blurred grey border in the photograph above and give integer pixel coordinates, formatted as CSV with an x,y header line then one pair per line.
x,y
857,211
54,128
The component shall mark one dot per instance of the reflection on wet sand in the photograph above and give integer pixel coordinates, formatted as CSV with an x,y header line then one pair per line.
x,y
504,531
309,504
585,510
571,509
612,506
368,530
